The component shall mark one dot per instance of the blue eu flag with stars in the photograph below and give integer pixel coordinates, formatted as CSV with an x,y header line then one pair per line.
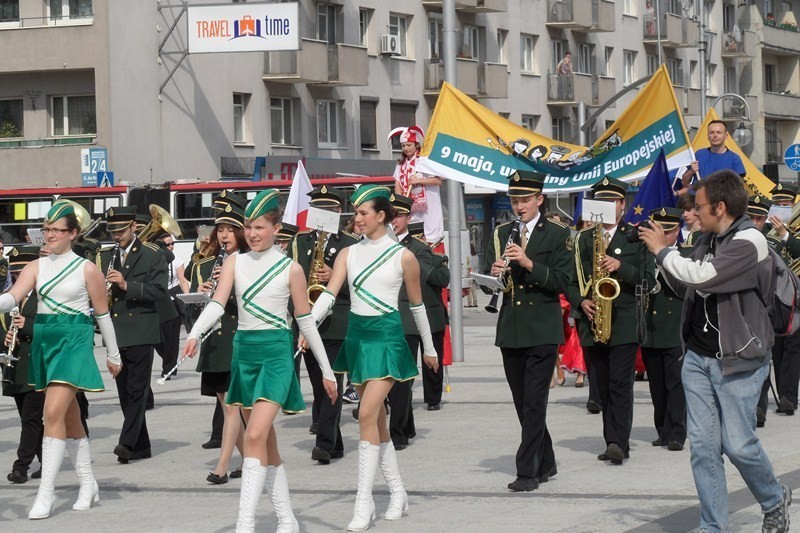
x,y
655,192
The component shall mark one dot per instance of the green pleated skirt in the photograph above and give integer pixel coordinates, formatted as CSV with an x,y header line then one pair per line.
x,y
62,351
262,369
375,348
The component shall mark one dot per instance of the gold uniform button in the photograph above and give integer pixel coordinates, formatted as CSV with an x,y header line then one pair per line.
x,y
130,314
655,312
530,303
115,315
219,333
669,312
519,303
522,286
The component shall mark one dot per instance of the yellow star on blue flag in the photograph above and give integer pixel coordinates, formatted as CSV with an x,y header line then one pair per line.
x,y
638,210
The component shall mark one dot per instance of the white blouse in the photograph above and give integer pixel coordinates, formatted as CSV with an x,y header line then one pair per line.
x,y
377,293
261,282
61,286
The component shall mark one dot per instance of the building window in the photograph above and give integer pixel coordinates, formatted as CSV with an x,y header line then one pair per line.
x,y
73,115
675,71
326,23
369,124
629,67
557,49
240,102
629,7
398,25
504,114
364,17
560,128
529,122
330,123
728,17
435,39
527,53
652,63
401,114
282,119
502,46
731,84
609,57
472,42
710,68
773,149
11,119
769,78
585,63
693,78
70,9
9,10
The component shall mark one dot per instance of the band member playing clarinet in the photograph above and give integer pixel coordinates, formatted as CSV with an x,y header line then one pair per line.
x,y
529,326
62,355
263,380
606,258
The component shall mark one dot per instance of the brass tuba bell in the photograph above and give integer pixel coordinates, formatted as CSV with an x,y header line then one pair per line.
x,y
161,223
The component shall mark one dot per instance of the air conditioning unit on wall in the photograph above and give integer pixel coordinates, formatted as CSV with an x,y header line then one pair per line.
x,y
390,45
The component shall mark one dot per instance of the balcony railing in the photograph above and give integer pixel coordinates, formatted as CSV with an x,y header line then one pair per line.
x,y
492,80
39,22
470,6
746,47
347,65
675,31
783,105
568,90
52,141
569,14
781,39
466,72
307,65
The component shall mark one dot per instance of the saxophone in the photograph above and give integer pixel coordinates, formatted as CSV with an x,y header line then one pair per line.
x,y
604,290
315,286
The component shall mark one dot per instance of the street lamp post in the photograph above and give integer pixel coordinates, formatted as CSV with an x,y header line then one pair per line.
x,y
741,135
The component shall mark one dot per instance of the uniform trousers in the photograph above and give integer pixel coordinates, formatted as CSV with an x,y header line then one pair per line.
x,y
217,421
613,367
30,406
528,372
170,343
666,390
133,382
329,436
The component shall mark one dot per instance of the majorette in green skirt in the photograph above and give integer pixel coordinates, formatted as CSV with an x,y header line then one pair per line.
x,y
375,348
262,368
63,352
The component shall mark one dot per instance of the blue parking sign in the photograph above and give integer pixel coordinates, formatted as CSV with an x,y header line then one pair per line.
x,y
792,157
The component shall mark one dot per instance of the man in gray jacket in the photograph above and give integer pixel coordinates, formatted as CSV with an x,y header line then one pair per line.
x,y
727,338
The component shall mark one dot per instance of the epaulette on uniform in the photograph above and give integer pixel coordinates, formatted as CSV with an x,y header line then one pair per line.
x,y
204,260
557,223
351,235
106,248
152,246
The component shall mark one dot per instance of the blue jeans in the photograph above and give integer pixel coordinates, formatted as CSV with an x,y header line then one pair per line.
x,y
721,417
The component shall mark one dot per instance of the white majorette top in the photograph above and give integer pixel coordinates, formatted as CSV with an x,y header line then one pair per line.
x,y
61,286
375,274
261,282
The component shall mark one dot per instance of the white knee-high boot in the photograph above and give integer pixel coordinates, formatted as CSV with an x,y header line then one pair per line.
x,y
398,499
82,459
278,485
52,457
364,512
254,476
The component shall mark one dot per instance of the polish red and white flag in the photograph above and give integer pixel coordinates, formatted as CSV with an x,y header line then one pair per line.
x,y
298,202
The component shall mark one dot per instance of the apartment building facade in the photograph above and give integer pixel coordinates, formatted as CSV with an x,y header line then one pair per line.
x,y
86,73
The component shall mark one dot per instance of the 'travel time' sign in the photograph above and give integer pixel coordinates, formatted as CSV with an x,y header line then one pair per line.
x,y
244,28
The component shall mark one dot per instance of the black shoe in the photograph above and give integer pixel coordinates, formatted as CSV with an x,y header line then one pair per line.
x,y
674,446
544,478
659,442
318,454
141,454
123,453
212,444
355,413
399,446
168,378
17,476
37,474
236,474
593,407
761,417
434,406
313,428
150,406
615,454
217,480
787,406
524,484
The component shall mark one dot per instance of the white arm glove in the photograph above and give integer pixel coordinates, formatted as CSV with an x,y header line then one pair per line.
x,y
309,330
212,312
7,302
106,327
424,329
323,307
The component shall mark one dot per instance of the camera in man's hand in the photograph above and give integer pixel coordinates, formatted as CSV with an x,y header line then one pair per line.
x,y
634,234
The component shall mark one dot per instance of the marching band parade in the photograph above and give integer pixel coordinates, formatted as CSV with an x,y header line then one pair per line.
x,y
369,306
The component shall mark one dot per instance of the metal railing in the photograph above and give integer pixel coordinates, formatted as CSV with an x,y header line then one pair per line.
x,y
560,87
773,147
39,22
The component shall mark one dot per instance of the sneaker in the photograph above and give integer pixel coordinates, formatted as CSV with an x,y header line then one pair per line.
x,y
777,520
350,396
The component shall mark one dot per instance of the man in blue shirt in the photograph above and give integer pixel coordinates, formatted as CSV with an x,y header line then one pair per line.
x,y
715,157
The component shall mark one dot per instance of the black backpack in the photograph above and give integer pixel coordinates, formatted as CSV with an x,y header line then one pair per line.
x,y
784,306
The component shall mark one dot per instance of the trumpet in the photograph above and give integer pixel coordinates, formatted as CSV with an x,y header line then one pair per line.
x,y
112,263
217,263
513,238
7,359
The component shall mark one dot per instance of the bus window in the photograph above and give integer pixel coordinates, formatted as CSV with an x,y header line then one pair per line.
x,y
19,214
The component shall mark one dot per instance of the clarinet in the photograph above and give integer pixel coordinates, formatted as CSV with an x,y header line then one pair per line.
x,y
7,359
513,237
111,266
217,263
